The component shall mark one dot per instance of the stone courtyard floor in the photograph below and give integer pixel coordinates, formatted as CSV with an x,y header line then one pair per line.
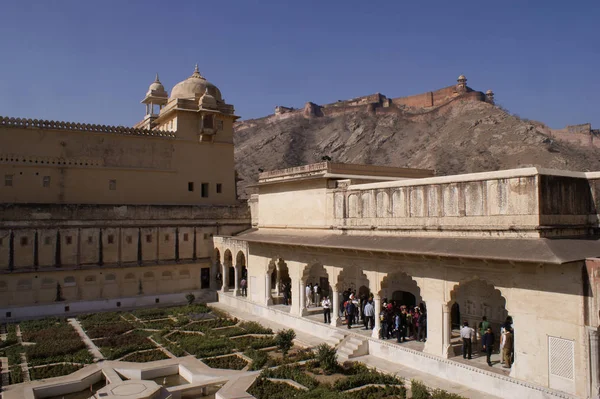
x,y
382,365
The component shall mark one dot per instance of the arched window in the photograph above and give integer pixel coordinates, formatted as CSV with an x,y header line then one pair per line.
x,y
167,275
3,286
90,279
111,278
130,276
149,276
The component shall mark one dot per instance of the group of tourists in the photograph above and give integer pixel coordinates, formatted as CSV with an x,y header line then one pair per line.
x,y
488,340
403,322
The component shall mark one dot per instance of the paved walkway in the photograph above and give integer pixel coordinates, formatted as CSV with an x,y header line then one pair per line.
x,y
430,380
88,342
370,360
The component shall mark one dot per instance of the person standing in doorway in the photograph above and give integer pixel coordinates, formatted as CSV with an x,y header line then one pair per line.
x,y
326,310
369,315
466,333
350,311
316,294
488,344
508,347
483,327
243,287
286,297
308,292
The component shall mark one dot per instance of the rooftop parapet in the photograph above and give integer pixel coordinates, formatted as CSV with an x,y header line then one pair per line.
x,y
24,123
342,171
529,202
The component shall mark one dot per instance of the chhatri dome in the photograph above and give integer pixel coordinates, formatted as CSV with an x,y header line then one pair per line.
x,y
156,86
194,87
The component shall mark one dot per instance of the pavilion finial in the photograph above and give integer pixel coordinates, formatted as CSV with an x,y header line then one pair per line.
x,y
156,79
196,73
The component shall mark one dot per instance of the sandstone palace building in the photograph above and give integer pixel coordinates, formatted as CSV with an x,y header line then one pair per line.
x,y
101,217
98,217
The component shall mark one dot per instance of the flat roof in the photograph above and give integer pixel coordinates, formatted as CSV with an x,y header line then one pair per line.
x,y
536,250
343,170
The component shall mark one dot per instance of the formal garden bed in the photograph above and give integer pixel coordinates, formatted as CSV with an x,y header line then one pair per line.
x,y
145,356
230,362
51,348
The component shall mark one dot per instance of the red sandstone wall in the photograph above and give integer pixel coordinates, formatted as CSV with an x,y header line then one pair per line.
x,y
442,95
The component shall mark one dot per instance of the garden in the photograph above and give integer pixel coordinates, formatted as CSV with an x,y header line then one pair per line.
x,y
52,347
46,348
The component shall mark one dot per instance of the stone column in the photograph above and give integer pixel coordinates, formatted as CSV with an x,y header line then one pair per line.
x,y
594,362
236,289
268,299
377,305
302,302
446,331
277,285
438,331
335,308
224,278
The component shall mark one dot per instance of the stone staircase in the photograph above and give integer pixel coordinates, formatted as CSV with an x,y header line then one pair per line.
x,y
352,346
334,339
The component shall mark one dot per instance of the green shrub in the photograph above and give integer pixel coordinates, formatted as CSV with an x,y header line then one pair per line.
x,y
148,356
294,373
265,389
419,390
56,370
285,340
243,343
327,358
253,327
116,347
202,345
108,329
190,298
259,359
232,362
208,325
230,332
441,394
370,377
378,393
11,336
151,314
16,375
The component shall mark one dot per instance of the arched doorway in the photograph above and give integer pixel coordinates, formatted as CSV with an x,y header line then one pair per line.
x,y
280,283
352,280
400,287
471,301
228,270
241,273
315,274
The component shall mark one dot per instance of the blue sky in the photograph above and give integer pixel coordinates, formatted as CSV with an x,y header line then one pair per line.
x,y
92,61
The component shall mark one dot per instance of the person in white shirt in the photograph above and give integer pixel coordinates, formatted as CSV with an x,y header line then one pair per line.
x,y
316,296
326,309
467,334
308,291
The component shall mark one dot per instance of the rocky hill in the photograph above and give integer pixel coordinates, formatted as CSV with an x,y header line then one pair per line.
x,y
460,137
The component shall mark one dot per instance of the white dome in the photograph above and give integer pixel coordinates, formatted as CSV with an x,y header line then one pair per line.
x,y
194,87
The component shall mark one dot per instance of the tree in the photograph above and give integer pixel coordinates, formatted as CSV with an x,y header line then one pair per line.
x,y
285,340
190,298
59,296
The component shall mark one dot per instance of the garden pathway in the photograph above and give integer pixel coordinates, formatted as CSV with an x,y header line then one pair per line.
x,y
24,368
88,342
